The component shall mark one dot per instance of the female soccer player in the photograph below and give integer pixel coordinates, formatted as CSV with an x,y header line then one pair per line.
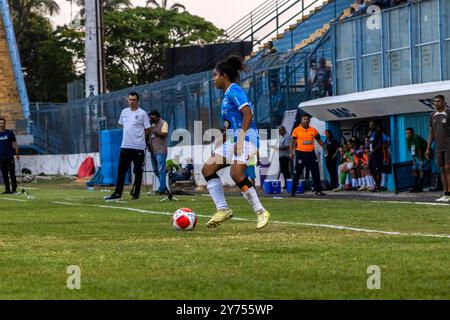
x,y
240,143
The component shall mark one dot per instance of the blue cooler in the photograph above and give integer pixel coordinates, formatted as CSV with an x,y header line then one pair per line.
x,y
272,186
300,186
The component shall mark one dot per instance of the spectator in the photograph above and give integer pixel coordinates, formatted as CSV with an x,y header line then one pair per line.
x,y
360,8
312,79
8,148
331,158
303,142
440,134
269,49
323,78
283,151
159,133
135,124
417,146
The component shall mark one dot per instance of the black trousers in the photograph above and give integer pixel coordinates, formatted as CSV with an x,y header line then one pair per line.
x,y
332,171
284,168
128,156
309,161
8,168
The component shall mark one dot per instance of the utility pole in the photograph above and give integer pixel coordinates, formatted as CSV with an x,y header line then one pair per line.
x,y
95,71
94,50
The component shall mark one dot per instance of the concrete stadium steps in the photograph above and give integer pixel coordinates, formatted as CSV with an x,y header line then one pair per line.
x,y
309,27
10,106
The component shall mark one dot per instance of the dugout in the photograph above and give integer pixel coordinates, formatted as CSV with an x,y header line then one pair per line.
x,y
397,108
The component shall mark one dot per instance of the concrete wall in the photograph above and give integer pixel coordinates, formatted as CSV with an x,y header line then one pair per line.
x,y
69,164
57,164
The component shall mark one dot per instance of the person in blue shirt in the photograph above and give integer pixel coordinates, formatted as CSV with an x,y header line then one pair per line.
x,y
239,144
8,148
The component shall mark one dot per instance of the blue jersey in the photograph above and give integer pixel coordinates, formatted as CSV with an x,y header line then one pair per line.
x,y
234,100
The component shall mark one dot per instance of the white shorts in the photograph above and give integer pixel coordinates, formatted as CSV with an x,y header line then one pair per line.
x,y
226,151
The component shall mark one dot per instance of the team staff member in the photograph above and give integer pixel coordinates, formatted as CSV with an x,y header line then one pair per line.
x,y
136,123
376,156
8,146
303,142
284,152
159,134
417,146
440,134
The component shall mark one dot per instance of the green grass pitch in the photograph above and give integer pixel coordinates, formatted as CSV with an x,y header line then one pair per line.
x,y
125,254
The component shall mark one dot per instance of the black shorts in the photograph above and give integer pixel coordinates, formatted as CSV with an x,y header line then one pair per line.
x,y
443,158
376,164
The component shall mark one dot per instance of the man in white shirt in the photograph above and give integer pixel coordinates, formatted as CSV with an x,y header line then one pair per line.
x,y
136,124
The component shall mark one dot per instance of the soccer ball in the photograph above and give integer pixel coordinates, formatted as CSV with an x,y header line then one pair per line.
x,y
184,219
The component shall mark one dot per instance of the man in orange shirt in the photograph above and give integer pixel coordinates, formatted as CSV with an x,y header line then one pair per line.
x,y
303,142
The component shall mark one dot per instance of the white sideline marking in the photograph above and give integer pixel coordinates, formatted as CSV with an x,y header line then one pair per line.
x,y
387,201
328,226
16,200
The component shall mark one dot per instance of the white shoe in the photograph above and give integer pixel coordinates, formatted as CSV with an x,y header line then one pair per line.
x,y
444,199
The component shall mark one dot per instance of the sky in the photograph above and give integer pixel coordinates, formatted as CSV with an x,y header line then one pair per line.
x,y
212,10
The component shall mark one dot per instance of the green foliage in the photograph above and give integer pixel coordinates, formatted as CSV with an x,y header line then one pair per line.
x,y
48,67
22,10
165,5
137,40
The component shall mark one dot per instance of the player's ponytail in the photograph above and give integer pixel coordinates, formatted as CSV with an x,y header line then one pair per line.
x,y
231,67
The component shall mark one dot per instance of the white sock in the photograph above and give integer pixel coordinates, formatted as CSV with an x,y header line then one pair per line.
x,y
215,188
383,179
371,181
360,181
363,182
354,183
348,179
252,197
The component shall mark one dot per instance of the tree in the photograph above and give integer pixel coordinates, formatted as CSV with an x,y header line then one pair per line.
x,y
164,5
108,5
21,11
47,65
136,41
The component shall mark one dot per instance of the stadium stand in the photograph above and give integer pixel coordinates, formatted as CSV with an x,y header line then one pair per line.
x,y
10,106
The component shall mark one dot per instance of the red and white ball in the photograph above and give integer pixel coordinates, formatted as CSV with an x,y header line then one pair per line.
x,y
184,219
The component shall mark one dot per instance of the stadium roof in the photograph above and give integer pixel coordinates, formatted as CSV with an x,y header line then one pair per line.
x,y
377,103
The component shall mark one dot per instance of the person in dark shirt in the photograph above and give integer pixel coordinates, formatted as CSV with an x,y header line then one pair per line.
x,y
8,148
440,135
331,158
376,153
417,146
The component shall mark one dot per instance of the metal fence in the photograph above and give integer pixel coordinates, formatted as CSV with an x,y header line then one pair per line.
x,y
275,84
